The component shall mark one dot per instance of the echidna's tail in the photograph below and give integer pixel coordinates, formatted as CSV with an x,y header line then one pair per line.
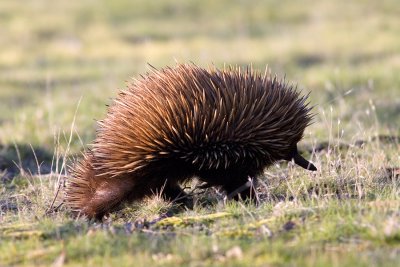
x,y
90,194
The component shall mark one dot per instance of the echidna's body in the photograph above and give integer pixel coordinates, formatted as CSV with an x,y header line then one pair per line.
x,y
222,126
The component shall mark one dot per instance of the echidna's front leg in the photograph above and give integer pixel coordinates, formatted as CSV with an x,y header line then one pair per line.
x,y
173,192
241,189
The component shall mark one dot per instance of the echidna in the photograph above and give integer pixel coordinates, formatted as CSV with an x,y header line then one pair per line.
x,y
221,126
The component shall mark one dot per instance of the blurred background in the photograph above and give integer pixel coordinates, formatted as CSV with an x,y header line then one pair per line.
x,y
61,58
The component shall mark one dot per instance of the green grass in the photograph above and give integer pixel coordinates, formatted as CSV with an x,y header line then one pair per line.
x,y
61,62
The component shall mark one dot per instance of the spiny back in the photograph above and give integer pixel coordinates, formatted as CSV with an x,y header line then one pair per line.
x,y
211,119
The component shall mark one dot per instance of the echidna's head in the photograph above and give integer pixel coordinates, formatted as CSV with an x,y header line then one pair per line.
x,y
299,160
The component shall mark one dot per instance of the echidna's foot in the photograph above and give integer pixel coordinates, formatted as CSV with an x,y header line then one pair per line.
x,y
242,190
174,193
205,185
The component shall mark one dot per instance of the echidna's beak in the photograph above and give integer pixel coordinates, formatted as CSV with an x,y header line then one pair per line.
x,y
302,162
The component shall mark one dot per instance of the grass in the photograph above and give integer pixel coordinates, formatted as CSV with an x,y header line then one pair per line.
x,y
61,62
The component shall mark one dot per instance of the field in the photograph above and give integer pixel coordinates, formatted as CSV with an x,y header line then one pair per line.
x,y
61,62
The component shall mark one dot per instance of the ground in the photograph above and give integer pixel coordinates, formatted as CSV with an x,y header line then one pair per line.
x,y
62,62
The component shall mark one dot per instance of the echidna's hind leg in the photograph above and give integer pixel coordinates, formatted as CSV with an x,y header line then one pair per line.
x,y
110,194
94,195
244,189
97,196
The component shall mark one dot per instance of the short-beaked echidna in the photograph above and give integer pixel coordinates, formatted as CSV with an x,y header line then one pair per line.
x,y
221,126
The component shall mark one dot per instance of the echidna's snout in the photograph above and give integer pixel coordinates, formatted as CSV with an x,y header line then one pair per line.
x,y
302,162
299,160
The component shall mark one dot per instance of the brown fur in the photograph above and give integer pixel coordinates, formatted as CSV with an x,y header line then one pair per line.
x,y
223,126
